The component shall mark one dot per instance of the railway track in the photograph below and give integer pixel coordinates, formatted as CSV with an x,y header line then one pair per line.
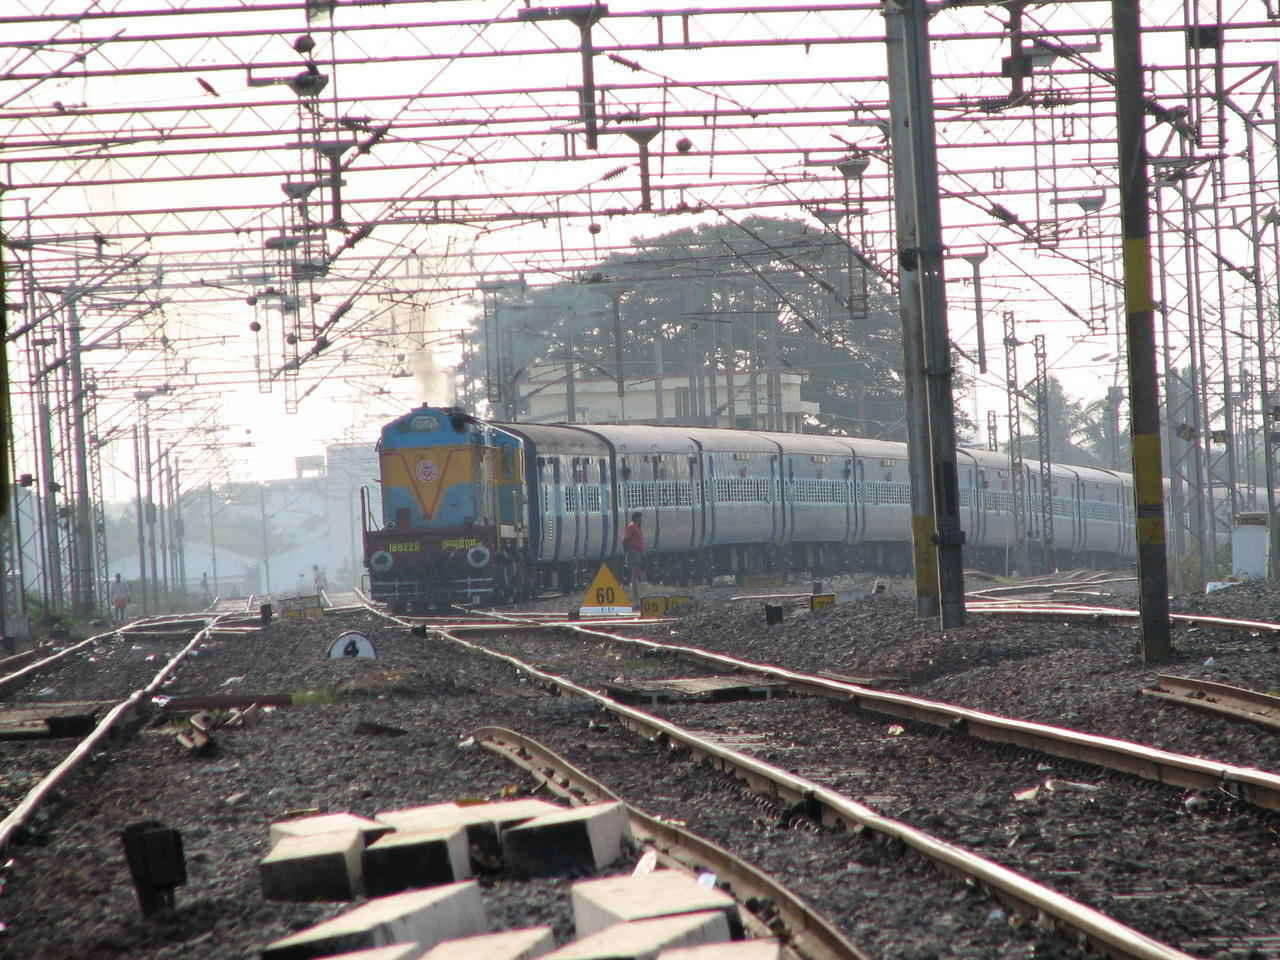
x,y
16,819
849,876
1252,786
1211,781
807,935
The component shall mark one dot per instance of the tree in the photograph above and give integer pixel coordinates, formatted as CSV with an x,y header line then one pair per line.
x,y
1074,429
741,299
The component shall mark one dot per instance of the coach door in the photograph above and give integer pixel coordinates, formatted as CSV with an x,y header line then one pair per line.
x,y
695,500
777,509
555,504
859,494
604,507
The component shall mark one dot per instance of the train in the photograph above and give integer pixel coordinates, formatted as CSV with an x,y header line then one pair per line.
x,y
477,511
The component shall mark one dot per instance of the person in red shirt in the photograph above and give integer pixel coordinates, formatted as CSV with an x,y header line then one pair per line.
x,y
633,553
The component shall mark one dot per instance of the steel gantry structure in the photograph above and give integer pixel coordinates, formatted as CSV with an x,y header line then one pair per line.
x,y
208,198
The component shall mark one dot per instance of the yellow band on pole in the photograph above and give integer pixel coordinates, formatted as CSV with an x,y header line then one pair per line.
x,y
1148,484
1137,275
925,555
1151,531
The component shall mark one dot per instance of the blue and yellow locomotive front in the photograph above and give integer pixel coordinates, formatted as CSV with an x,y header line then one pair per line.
x,y
453,513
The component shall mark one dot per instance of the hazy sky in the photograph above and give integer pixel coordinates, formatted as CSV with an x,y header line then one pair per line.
x,y
467,187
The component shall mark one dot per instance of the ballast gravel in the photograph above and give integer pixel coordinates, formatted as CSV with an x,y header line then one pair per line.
x,y
66,893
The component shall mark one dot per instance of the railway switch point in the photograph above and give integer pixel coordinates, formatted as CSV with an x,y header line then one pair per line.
x,y
424,917
645,939
321,866
409,861
156,863
588,837
524,944
602,903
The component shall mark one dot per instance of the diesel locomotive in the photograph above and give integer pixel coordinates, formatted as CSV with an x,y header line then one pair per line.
x,y
478,511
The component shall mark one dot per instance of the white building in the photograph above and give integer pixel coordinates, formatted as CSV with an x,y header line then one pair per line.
x,y
759,401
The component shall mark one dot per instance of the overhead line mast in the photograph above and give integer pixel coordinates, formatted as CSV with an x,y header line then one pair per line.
x,y
1144,397
935,496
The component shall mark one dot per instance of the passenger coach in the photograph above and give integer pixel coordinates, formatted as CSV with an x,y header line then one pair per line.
x,y
474,511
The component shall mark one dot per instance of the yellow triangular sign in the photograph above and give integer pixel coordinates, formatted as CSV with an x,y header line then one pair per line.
x,y
605,597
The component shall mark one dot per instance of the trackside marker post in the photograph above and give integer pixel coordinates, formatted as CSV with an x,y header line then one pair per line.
x,y
606,597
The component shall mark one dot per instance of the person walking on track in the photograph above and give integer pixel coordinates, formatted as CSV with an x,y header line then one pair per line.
x,y
633,552
119,599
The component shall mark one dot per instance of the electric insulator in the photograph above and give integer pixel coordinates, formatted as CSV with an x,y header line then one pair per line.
x,y
255,326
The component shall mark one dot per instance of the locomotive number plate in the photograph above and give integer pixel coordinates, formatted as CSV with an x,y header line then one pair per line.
x,y
404,548
459,543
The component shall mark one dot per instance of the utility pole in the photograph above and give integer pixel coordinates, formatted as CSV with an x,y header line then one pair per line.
x,y
658,407
1045,444
82,546
1144,409
975,261
179,547
617,357
138,457
1264,383
162,514
266,550
571,382
53,561
151,509
936,534
213,544
1017,472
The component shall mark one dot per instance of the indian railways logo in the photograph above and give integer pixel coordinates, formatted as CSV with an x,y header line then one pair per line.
x,y
428,472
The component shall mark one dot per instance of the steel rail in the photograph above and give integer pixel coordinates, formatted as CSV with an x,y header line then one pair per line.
x,y
1086,611
33,668
20,659
1220,698
983,592
1254,786
835,809
806,931
10,825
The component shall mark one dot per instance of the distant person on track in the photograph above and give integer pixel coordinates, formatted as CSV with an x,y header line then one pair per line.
x,y
321,582
633,552
119,599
